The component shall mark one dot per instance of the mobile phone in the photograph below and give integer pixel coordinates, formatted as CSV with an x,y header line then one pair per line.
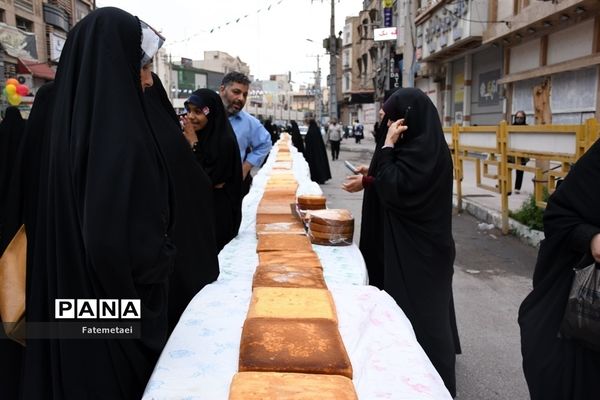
x,y
405,118
183,114
351,167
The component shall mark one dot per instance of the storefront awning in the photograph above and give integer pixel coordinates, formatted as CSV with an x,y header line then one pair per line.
x,y
35,68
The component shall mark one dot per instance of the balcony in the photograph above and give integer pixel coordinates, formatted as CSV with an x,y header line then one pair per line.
x,y
446,29
55,16
539,19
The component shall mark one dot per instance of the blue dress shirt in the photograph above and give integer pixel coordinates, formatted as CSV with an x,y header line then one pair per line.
x,y
251,133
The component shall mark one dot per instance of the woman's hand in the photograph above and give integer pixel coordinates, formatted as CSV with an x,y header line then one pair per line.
x,y
353,184
395,130
595,247
363,169
188,131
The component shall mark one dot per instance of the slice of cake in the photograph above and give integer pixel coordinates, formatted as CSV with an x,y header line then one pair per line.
x,y
288,228
332,217
275,218
311,346
303,259
288,276
279,242
275,302
276,385
311,202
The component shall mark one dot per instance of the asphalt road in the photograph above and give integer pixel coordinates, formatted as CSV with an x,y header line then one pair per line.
x,y
492,276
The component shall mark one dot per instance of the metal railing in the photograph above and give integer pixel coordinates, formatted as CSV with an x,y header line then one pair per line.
x,y
506,146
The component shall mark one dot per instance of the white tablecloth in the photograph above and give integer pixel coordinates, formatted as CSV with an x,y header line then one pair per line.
x,y
201,355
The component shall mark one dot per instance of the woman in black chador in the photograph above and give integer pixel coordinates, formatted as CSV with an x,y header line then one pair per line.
x,y
414,184
213,141
297,140
559,368
102,222
315,153
196,262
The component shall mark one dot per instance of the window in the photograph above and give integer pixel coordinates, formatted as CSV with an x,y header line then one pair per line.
x,y
81,11
2,16
24,24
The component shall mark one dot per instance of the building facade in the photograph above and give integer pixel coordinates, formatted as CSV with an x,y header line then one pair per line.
x,y
481,61
551,54
221,61
32,34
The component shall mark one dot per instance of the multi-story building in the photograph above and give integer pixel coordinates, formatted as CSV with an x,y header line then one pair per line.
x,y
456,70
222,62
32,34
481,61
360,60
551,53
186,76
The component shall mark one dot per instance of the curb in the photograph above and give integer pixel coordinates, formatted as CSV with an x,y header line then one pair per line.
x,y
525,234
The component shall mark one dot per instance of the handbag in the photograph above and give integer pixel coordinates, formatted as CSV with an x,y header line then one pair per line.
x,y
582,315
12,287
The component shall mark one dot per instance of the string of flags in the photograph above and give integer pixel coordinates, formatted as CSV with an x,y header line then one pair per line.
x,y
235,21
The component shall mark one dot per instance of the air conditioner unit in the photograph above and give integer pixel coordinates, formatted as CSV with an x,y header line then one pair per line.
x,y
26,79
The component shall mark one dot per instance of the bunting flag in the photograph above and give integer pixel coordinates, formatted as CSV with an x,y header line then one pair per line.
x,y
233,21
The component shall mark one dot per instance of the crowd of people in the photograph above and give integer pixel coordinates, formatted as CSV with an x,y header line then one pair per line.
x,y
122,198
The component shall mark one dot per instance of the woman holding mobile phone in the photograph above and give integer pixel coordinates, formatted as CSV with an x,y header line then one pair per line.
x,y
413,182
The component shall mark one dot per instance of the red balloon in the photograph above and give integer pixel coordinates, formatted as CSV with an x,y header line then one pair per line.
x,y
23,90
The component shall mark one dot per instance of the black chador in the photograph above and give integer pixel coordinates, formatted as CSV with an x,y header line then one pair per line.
x,y
102,217
297,140
316,154
196,262
414,184
218,153
559,368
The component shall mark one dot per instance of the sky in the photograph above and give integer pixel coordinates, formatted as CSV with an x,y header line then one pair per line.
x,y
270,41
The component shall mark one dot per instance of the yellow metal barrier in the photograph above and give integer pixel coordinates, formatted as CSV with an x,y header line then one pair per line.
x,y
504,146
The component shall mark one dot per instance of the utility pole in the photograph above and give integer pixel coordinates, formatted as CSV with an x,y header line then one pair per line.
x,y
333,50
408,65
318,94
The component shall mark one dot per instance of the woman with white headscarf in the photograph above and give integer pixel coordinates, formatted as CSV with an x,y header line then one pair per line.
x,y
101,227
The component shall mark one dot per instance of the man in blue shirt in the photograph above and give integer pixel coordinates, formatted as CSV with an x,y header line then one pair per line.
x,y
252,137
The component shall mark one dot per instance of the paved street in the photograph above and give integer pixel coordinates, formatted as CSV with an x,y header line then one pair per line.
x,y
492,276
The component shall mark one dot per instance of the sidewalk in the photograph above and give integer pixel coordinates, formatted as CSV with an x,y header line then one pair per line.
x,y
482,204
486,205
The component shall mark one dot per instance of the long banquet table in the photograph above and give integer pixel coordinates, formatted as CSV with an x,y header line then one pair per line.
x,y
201,355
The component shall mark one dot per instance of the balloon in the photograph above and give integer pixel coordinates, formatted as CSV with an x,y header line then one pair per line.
x,y
12,81
14,99
11,89
23,90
